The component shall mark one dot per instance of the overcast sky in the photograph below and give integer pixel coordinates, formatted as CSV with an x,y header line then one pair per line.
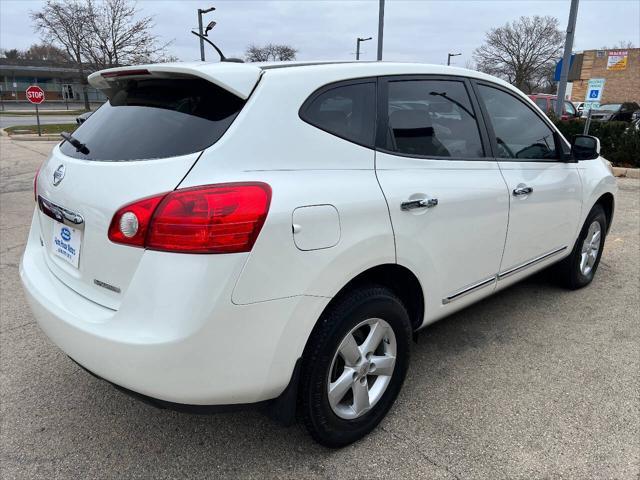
x,y
415,30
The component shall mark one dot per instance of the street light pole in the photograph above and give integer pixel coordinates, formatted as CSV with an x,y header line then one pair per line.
x,y
358,41
566,57
449,55
202,11
380,28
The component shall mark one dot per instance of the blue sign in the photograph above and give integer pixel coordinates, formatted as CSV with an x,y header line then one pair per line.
x,y
65,233
593,94
556,75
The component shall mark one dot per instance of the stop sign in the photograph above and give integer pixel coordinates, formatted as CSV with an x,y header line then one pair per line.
x,y
35,94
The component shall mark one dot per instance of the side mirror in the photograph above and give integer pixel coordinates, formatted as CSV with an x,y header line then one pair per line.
x,y
585,147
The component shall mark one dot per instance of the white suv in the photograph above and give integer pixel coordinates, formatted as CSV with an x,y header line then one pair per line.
x,y
228,234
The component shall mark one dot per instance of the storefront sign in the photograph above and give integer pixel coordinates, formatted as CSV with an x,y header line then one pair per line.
x,y
617,60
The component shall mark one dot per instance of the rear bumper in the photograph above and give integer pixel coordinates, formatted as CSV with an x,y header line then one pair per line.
x,y
176,337
281,409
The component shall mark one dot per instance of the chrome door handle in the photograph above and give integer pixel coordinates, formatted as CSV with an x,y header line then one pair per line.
x,y
420,203
522,190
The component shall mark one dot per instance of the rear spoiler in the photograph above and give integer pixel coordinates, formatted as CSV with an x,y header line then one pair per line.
x,y
237,78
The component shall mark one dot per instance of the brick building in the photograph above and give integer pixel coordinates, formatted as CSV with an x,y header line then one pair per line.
x,y
622,78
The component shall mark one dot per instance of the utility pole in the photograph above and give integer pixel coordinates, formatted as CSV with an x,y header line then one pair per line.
x,y
449,55
566,58
202,11
380,28
358,41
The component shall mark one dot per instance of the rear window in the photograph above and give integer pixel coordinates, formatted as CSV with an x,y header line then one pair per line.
x,y
156,118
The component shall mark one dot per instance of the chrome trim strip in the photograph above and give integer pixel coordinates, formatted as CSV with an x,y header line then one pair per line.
x,y
60,214
469,289
529,263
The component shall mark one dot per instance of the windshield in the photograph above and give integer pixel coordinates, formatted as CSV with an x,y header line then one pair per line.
x,y
610,106
155,118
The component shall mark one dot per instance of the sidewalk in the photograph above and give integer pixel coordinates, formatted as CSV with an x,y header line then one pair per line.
x,y
626,172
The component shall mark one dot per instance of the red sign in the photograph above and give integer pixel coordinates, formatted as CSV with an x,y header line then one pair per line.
x,y
35,94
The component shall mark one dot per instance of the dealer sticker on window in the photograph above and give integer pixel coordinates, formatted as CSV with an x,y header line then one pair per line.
x,y
66,243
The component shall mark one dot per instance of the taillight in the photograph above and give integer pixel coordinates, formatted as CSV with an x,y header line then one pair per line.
x,y
224,218
141,211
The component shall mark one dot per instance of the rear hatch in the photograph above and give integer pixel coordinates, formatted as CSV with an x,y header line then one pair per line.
x,y
142,142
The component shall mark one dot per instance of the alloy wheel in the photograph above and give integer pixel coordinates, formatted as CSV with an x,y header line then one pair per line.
x,y
590,248
362,368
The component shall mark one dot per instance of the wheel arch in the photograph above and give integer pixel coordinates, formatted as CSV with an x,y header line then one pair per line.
x,y
399,279
607,201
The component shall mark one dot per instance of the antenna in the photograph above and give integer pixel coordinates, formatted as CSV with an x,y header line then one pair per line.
x,y
204,37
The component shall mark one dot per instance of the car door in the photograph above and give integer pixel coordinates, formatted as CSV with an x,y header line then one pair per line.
x,y
447,199
545,190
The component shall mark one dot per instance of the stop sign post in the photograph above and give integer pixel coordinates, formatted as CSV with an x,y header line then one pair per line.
x,y
36,96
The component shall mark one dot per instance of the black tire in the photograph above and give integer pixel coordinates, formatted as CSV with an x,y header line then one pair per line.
x,y
570,274
346,313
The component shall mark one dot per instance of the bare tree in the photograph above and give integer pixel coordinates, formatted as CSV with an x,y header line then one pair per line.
x,y
470,64
120,36
11,54
284,52
102,34
256,54
67,25
522,51
270,52
45,52
37,51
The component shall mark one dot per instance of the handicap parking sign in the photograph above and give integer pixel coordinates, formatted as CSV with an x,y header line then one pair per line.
x,y
595,87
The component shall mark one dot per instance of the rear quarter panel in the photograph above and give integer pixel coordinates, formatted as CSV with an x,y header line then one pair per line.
x,y
304,166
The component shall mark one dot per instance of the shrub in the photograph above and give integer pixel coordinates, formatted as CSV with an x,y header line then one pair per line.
x,y
619,141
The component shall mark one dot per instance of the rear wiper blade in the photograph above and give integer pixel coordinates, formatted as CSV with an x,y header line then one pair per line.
x,y
80,147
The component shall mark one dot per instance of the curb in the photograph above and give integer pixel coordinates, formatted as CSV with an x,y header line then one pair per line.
x,y
626,172
35,138
29,137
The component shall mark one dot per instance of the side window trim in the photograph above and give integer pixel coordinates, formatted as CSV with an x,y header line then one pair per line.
x,y
383,120
330,86
491,131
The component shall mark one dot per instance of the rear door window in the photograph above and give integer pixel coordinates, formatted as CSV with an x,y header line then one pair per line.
x,y
432,118
156,118
347,111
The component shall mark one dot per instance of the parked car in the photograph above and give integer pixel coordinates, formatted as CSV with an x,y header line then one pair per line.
x,y
80,119
547,103
579,106
224,234
620,112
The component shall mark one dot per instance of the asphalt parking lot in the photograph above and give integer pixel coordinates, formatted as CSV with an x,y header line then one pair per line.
x,y
535,382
